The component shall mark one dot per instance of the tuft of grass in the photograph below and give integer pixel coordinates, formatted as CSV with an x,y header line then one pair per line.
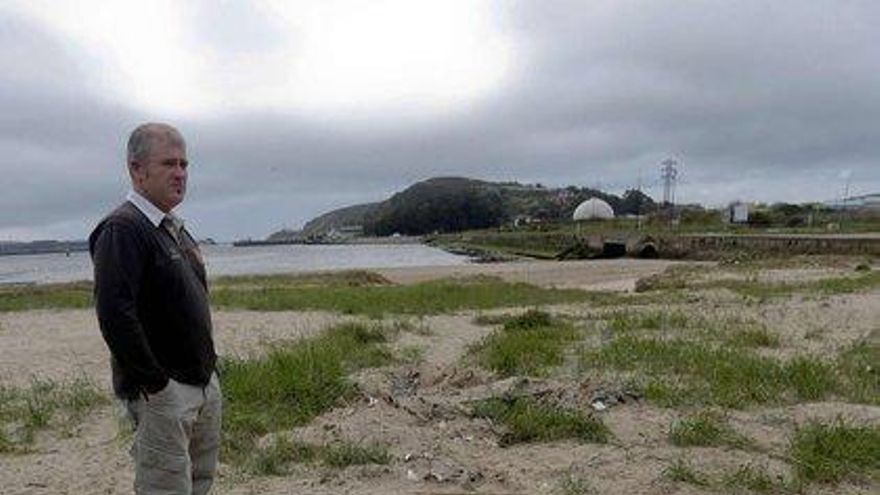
x,y
625,321
753,337
573,484
6,444
809,377
346,454
705,429
531,319
527,420
438,296
418,327
528,344
703,374
43,404
275,457
294,383
859,368
830,453
681,472
674,277
49,296
757,480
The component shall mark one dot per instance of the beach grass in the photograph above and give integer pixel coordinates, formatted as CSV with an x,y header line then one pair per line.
x,y
859,369
350,292
628,320
677,372
294,383
73,295
275,457
575,484
433,297
751,478
755,337
683,277
528,344
44,404
706,429
527,420
343,278
682,472
858,282
833,452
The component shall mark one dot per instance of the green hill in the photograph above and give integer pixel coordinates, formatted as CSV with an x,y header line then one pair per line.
x,y
452,204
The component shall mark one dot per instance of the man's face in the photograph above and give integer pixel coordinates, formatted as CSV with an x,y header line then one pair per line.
x,y
162,178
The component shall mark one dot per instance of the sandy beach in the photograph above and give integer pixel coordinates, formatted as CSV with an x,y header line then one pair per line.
x,y
435,448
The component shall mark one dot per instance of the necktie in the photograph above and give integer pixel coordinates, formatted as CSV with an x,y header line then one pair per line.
x,y
172,227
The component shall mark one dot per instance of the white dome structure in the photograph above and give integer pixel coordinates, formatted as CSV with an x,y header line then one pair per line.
x,y
593,209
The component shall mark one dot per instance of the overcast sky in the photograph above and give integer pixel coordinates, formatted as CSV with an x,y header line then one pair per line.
x,y
291,109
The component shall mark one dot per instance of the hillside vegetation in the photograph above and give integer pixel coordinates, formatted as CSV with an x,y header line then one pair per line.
x,y
454,204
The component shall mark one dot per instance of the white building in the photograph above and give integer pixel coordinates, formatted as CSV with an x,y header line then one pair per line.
x,y
593,209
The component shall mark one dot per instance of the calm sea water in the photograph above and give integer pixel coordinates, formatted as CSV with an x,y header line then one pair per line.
x,y
230,260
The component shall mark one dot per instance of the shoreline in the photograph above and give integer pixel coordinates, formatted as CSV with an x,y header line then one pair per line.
x,y
603,274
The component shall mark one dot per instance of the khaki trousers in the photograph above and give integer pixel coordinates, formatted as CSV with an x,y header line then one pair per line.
x,y
177,439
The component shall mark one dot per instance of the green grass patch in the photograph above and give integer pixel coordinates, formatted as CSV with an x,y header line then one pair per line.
x,y
573,484
706,429
347,278
751,479
753,337
673,278
830,453
682,472
862,281
50,296
294,383
526,420
859,367
344,454
528,344
625,321
809,377
680,277
275,458
439,296
678,372
42,405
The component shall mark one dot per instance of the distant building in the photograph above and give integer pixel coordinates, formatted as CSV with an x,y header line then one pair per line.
x,y
738,212
593,209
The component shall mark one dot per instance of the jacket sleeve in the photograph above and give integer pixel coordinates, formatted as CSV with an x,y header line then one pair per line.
x,y
120,257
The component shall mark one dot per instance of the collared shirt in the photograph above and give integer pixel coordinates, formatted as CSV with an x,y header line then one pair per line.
x,y
154,214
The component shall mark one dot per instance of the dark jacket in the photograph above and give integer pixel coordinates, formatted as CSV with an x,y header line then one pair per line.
x,y
151,297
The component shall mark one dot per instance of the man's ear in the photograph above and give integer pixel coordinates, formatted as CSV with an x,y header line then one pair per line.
x,y
135,170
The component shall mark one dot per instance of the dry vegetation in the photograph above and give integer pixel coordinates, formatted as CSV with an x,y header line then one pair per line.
x,y
757,377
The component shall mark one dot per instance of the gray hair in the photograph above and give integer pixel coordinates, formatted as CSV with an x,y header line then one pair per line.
x,y
142,139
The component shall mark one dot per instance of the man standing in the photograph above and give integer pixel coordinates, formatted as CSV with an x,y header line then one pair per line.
x,y
152,302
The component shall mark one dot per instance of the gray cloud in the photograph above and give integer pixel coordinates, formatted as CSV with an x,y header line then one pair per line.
x,y
759,100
